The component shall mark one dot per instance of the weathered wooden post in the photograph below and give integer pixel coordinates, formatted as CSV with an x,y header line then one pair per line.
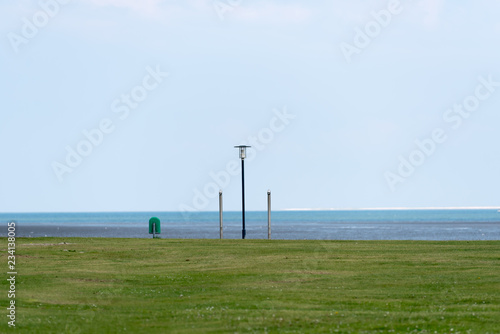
x,y
220,213
269,214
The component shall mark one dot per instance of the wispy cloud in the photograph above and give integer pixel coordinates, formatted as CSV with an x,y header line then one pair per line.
x,y
272,13
259,12
144,5
149,8
157,8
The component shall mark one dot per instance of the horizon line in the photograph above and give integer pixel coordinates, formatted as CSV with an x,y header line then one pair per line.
x,y
397,208
288,209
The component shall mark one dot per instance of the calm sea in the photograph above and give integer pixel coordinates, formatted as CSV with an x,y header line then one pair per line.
x,y
464,224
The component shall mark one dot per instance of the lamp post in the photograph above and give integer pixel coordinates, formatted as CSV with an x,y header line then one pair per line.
x,y
243,155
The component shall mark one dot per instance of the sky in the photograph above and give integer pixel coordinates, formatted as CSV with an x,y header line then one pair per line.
x,y
123,105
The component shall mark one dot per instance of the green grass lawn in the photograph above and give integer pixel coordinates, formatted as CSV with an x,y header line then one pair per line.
x,y
253,286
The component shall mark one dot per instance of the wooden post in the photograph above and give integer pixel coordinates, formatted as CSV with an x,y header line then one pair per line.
x,y
220,213
269,214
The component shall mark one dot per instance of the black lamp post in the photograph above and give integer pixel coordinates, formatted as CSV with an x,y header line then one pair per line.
x,y
243,155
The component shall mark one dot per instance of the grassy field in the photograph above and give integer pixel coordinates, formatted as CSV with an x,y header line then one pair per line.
x,y
76,285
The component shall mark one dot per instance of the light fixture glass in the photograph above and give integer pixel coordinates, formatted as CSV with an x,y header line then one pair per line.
x,y
243,151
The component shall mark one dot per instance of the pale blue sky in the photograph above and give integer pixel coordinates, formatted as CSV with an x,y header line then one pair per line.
x,y
331,127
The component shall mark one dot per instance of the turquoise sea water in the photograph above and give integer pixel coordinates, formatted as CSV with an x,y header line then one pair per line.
x,y
463,224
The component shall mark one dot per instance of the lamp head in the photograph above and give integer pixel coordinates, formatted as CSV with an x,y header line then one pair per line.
x,y
243,151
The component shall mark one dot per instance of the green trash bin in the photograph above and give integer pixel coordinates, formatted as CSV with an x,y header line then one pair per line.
x,y
154,226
